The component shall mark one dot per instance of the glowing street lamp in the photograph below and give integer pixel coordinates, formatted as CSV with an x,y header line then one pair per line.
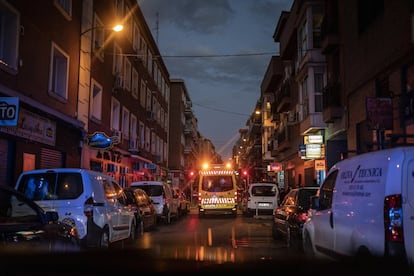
x,y
116,28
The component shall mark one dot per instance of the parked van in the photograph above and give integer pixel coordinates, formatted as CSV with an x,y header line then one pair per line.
x,y
261,199
91,201
165,201
365,207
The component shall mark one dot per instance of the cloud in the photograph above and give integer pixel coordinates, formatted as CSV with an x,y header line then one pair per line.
x,y
199,16
205,42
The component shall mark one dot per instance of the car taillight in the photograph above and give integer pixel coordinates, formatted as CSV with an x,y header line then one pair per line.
x,y
88,207
393,219
302,217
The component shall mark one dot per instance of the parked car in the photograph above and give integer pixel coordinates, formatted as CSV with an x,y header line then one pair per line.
x,y
90,201
143,207
30,227
183,202
289,217
260,199
165,202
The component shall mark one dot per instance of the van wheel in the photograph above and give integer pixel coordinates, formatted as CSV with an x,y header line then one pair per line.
x,y
307,246
103,242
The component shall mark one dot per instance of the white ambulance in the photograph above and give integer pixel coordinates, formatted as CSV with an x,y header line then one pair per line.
x,y
365,207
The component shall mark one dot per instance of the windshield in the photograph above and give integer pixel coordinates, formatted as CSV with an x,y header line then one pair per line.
x,y
152,190
265,190
217,183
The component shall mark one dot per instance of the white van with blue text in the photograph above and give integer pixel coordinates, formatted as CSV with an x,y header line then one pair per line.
x,y
365,207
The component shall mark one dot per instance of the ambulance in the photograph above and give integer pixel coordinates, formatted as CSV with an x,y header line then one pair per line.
x,y
217,190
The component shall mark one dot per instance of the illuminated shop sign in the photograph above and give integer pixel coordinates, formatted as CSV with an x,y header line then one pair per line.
x,y
313,139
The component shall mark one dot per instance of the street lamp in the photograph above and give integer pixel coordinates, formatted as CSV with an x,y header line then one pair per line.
x,y
116,28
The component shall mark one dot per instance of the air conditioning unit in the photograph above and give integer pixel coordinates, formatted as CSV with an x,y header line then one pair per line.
x,y
116,136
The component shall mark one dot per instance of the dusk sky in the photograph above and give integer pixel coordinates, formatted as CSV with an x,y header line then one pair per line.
x,y
221,49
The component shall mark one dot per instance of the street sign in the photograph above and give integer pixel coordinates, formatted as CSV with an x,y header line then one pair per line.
x,y
9,110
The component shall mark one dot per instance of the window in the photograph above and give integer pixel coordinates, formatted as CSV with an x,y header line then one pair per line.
x,y
117,69
128,23
302,41
59,71
65,6
305,98
141,135
125,122
318,92
133,127
135,83
96,101
9,36
51,186
326,191
149,62
216,183
142,94
147,138
119,6
143,52
98,37
135,38
116,111
148,102
127,74
153,142
317,23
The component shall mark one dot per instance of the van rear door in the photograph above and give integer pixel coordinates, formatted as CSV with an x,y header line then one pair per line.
x,y
408,211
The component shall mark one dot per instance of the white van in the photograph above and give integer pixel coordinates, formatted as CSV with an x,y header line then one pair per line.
x,y
261,199
165,201
91,201
365,207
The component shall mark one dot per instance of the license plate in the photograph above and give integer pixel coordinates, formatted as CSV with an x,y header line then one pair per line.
x,y
264,204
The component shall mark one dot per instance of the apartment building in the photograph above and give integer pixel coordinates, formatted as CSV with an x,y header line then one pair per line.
x,y
84,95
339,87
184,139
39,78
124,93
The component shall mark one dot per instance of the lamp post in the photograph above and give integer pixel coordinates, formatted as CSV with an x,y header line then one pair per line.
x,y
84,78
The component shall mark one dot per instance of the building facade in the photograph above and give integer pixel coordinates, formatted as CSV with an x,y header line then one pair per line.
x,y
339,87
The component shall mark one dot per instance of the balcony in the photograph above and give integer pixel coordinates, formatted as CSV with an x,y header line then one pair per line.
x,y
283,97
188,108
312,123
